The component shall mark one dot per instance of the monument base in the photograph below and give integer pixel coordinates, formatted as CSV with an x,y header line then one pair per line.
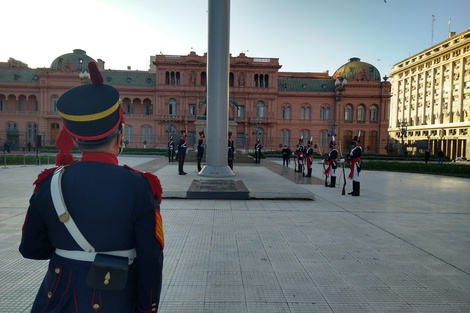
x,y
218,189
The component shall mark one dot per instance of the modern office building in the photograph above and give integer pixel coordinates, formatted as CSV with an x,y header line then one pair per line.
x,y
276,107
431,99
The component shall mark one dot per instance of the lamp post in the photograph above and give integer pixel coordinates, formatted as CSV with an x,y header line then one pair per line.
x,y
403,131
331,129
340,85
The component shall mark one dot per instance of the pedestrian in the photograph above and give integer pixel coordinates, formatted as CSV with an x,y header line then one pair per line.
x,y
98,223
200,150
181,154
440,157
285,155
231,150
354,158
332,165
258,147
427,155
171,149
309,158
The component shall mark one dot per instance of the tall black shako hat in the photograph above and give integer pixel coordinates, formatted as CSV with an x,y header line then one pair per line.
x,y
91,113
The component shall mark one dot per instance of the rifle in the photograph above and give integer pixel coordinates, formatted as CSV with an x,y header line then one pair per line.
x,y
343,192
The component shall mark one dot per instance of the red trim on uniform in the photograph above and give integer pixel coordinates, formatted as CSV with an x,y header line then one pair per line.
x,y
104,157
43,175
330,163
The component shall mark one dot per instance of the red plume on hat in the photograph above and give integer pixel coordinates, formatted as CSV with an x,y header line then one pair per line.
x,y
65,144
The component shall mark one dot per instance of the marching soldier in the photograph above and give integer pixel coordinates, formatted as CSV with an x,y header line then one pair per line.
x,y
200,150
98,223
354,158
299,152
171,149
258,147
332,165
309,159
231,150
181,152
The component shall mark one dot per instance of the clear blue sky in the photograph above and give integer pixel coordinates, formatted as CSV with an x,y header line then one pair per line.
x,y
306,35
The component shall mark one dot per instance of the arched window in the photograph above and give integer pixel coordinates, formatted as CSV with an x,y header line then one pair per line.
x,y
306,135
285,113
307,113
323,139
260,110
373,114
203,79
327,113
361,113
348,113
172,106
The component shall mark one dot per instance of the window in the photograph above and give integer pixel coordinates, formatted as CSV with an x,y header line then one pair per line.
x,y
128,108
172,106
2,105
192,109
32,131
172,78
241,111
20,105
305,113
285,137
261,81
54,104
373,114
360,113
285,113
128,134
324,139
348,113
305,134
325,113
146,134
260,110
241,140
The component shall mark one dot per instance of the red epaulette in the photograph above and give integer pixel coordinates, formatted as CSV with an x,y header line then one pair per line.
x,y
43,175
154,182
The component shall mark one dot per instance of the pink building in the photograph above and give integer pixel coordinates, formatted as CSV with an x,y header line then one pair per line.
x,y
277,107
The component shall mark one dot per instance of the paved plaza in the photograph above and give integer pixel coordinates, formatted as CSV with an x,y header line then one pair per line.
x,y
296,246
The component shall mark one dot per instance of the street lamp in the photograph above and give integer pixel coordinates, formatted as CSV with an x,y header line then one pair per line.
x,y
85,77
403,131
340,85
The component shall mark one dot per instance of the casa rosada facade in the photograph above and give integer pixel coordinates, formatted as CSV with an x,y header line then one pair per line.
x,y
276,107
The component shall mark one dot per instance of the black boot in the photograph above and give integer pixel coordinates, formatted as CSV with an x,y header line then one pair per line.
x,y
309,173
333,182
354,188
358,188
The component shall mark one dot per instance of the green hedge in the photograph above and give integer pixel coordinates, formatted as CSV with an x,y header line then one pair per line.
x,y
447,169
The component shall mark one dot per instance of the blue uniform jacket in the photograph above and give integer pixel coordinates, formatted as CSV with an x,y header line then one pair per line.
x,y
115,208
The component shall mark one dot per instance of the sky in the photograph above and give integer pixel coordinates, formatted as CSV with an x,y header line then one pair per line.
x,y
305,35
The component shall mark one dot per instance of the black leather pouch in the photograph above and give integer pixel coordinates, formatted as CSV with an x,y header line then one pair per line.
x,y
108,272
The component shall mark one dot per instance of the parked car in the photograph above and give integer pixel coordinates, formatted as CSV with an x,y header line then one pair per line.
x,y
460,159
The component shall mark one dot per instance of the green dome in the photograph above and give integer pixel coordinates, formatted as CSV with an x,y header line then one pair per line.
x,y
357,70
78,60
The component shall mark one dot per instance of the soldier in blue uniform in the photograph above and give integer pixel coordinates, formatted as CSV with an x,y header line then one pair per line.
x,y
181,152
200,150
231,150
258,147
98,223
171,149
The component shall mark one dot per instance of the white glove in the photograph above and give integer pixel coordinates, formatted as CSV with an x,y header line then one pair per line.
x,y
322,162
341,160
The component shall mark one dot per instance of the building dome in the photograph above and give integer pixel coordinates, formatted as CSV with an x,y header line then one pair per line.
x,y
357,70
77,60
